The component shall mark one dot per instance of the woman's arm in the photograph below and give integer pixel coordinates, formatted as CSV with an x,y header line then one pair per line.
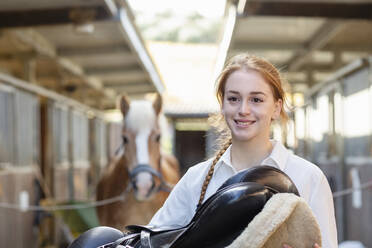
x,y
176,210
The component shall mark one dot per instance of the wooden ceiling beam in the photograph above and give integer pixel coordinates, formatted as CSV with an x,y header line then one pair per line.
x,y
122,76
38,17
271,46
134,89
38,43
88,51
114,70
264,45
30,38
128,85
319,39
323,9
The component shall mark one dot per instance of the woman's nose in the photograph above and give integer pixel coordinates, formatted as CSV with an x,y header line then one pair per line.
x,y
244,108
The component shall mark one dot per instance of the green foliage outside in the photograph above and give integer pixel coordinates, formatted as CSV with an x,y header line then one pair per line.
x,y
166,26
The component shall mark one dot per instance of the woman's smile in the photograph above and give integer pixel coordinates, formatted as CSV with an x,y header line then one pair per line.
x,y
244,123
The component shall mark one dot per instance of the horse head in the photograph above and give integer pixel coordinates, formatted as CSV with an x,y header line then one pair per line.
x,y
141,142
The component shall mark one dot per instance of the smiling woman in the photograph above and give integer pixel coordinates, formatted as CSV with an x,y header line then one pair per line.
x,y
251,97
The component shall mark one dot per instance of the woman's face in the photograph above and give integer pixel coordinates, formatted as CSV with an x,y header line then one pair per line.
x,y
249,106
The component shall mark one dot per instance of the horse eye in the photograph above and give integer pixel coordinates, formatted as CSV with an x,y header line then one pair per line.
x,y
157,138
125,139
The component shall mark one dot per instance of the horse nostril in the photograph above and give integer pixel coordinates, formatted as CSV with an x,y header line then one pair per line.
x,y
152,186
134,184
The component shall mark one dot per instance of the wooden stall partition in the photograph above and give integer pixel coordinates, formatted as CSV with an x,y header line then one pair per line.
x,y
338,138
60,151
46,146
114,138
359,204
7,216
6,159
80,155
357,126
47,226
16,228
20,127
98,150
327,147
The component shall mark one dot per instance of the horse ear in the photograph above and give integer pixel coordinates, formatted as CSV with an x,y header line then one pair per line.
x,y
157,103
124,104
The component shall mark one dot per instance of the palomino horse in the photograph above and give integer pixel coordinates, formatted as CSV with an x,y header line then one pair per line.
x,y
142,172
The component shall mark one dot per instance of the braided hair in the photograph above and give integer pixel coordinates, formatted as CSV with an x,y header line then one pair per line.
x,y
209,175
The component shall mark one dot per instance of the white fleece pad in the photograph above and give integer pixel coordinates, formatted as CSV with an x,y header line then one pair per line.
x,y
285,219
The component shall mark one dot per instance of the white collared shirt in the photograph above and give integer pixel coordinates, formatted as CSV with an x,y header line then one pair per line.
x,y
310,181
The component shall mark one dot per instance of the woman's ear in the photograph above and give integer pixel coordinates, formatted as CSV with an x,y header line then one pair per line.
x,y
278,105
157,104
222,105
124,105
222,110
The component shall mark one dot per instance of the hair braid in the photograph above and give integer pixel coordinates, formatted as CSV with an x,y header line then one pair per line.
x,y
209,175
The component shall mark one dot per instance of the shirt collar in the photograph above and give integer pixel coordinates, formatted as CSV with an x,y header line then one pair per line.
x,y
278,157
225,160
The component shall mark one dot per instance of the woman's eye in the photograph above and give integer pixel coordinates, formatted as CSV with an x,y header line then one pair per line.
x,y
256,99
232,99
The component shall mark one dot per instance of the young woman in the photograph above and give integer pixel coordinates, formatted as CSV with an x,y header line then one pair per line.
x,y
251,97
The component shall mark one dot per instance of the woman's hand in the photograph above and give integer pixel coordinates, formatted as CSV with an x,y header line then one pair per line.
x,y
314,246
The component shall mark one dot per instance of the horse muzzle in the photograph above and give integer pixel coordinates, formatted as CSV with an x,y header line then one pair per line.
x,y
143,179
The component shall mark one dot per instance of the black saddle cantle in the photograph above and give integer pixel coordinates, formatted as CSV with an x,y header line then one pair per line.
x,y
220,219
265,175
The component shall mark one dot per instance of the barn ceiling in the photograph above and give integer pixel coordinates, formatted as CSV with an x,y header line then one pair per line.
x,y
307,39
89,50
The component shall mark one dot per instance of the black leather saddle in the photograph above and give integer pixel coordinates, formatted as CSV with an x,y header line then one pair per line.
x,y
216,223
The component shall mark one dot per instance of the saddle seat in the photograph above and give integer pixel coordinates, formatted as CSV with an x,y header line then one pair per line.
x,y
221,218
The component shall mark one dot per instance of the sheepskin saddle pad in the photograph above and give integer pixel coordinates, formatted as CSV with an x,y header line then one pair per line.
x,y
285,219
222,220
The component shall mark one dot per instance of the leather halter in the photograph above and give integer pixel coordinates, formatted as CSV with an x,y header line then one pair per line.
x,y
164,186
